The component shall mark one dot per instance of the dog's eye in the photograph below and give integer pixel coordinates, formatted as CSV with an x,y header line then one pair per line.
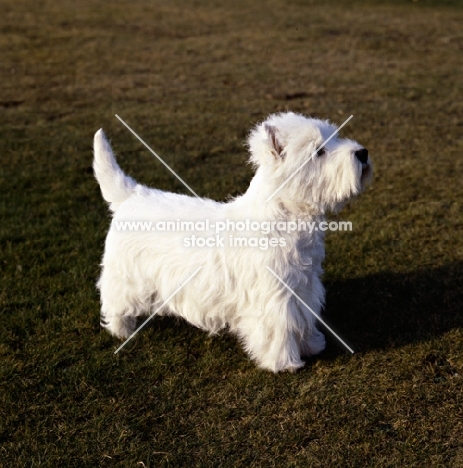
x,y
321,152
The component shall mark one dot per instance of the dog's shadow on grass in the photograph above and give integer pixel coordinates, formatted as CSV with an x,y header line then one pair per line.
x,y
391,310
375,312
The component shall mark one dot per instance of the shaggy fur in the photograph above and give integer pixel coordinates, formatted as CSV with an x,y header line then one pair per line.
x,y
234,289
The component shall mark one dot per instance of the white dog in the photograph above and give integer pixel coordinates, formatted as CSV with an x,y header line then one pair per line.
x,y
142,268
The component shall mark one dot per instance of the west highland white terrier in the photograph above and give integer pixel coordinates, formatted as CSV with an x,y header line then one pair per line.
x,y
301,174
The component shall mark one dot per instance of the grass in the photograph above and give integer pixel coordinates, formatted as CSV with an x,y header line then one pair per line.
x,y
191,79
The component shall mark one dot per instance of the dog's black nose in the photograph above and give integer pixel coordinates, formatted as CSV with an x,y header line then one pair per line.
x,y
362,155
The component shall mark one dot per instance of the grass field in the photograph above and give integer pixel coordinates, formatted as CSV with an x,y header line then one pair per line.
x,y
191,78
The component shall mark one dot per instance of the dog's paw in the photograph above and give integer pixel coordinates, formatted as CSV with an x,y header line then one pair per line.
x,y
276,367
293,369
314,345
120,327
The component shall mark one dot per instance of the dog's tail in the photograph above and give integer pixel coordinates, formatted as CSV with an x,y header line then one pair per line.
x,y
114,184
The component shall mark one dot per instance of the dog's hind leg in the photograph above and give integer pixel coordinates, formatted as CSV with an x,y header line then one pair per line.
x,y
119,310
120,326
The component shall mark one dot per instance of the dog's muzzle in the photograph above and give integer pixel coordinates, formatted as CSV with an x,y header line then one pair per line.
x,y
362,156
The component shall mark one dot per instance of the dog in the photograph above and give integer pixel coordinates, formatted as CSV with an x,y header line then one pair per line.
x,y
303,170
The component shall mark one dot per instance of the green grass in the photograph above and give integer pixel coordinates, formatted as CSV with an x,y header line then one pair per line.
x,y
191,79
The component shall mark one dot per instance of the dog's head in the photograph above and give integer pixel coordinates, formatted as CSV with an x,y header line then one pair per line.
x,y
305,161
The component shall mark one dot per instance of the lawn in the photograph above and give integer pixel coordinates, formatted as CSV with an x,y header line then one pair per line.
x,y
191,78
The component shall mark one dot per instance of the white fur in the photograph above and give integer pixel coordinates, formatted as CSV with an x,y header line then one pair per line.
x,y
234,289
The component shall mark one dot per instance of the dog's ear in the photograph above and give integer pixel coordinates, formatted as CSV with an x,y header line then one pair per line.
x,y
266,145
277,148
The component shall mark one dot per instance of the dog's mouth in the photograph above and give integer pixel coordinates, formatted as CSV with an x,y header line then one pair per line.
x,y
366,172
